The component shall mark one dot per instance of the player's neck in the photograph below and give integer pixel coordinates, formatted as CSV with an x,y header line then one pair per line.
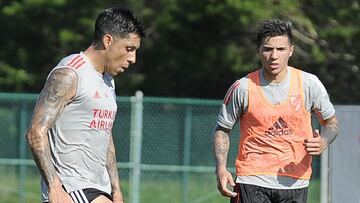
x,y
95,58
275,78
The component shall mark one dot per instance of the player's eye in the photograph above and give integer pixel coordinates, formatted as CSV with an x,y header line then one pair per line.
x,y
130,49
267,49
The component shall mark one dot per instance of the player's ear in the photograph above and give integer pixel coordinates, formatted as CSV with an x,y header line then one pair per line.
x,y
107,40
291,50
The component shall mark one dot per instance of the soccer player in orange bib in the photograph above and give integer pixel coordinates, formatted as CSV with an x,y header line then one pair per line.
x,y
273,106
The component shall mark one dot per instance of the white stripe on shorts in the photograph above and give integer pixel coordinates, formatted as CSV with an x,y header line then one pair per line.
x,y
83,196
78,196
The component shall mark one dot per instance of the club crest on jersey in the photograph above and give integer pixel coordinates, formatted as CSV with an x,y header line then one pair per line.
x,y
295,102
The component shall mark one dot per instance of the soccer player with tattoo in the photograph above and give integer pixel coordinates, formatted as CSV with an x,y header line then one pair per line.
x,y
273,106
70,134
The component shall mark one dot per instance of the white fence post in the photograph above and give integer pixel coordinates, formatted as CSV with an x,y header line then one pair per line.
x,y
22,152
324,177
186,153
135,145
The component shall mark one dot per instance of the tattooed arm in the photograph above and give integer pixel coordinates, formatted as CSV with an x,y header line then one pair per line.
x,y
59,89
111,166
221,149
329,131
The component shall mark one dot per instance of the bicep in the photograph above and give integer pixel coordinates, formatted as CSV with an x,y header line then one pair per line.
x,y
331,122
58,90
111,147
221,134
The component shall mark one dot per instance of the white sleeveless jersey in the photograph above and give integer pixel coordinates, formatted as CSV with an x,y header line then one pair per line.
x,y
80,137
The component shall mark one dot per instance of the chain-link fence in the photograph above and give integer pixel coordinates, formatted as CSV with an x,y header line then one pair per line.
x,y
164,150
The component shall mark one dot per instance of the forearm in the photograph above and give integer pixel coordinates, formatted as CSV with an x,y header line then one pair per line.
x,y
111,166
330,130
39,145
221,148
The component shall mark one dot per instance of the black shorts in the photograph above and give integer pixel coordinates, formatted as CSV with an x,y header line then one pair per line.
x,y
87,195
256,194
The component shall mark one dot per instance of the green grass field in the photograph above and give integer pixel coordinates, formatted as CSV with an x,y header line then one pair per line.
x,y
155,187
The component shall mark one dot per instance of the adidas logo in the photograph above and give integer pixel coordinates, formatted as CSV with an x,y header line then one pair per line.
x,y
280,127
96,95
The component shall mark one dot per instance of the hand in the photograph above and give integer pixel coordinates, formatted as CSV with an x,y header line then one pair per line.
x,y
117,197
315,145
223,178
57,194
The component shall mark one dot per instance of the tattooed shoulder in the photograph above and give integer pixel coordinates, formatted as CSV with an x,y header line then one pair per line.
x,y
58,91
61,84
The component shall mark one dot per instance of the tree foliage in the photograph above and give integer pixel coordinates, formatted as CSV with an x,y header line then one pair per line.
x,y
193,48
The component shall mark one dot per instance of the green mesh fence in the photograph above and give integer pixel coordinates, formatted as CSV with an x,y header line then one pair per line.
x,y
164,152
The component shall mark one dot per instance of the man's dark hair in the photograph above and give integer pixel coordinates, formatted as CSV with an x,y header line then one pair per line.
x,y
273,28
118,22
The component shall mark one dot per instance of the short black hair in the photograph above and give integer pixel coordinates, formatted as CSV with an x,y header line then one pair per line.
x,y
273,28
118,22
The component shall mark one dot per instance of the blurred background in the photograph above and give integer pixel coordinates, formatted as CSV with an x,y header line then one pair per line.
x,y
195,49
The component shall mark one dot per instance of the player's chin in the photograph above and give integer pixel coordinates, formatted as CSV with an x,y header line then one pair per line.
x,y
274,69
114,73
118,72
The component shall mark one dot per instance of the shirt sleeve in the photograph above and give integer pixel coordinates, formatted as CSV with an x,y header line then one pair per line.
x,y
233,104
319,99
